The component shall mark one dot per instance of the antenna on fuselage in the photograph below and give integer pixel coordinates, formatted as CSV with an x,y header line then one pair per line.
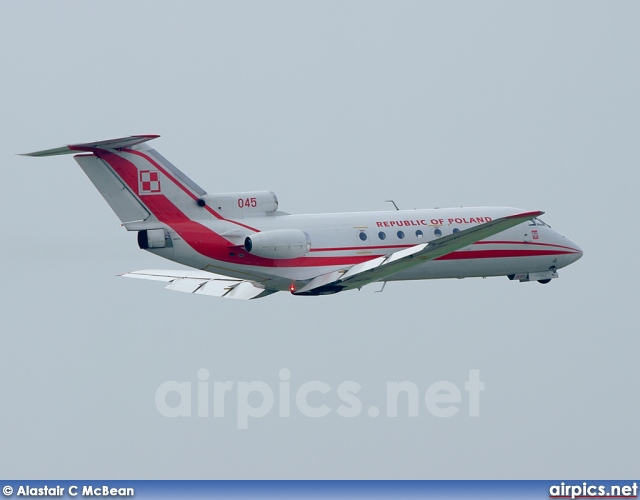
x,y
384,283
394,203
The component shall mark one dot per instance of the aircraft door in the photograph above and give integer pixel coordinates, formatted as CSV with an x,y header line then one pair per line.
x,y
530,231
533,228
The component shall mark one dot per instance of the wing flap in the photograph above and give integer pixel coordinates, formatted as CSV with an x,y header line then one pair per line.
x,y
246,291
204,283
188,285
320,281
216,288
363,267
405,253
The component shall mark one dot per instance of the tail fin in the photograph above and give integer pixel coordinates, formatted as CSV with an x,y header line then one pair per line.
x,y
141,186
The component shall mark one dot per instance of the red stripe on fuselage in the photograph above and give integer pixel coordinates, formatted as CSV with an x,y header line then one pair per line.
x,y
486,242
184,188
210,244
489,242
202,239
500,254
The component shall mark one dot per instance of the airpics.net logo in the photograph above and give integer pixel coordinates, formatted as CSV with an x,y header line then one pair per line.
x,y
590,490
313,399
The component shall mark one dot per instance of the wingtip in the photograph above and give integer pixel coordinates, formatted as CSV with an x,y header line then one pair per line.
x,y
526,215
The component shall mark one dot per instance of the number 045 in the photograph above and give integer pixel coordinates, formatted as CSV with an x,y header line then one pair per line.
x,y
247,202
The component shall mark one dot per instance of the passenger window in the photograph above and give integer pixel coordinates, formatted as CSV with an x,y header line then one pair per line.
x,y
419,233
438,232
382,235
400,234
363,236
456,230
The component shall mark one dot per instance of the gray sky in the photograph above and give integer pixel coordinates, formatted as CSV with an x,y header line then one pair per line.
x,y
335,106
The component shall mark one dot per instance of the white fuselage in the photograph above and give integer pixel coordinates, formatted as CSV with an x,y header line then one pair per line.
x,y
343,239
243,236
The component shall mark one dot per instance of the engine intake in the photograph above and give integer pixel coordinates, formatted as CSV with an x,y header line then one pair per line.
x,y
278,244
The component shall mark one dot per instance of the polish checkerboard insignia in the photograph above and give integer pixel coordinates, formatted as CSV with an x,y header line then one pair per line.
x,y
149,182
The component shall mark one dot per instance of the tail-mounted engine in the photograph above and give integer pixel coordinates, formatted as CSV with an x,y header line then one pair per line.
x,y
252,203
153,238
278,244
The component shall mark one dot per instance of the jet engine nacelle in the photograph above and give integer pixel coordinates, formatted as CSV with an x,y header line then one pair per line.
x,y
278,244
153,238
245,204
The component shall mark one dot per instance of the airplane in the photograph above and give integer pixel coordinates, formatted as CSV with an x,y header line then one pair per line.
x,y
241,246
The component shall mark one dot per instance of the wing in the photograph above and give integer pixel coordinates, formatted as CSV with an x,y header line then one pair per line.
x,y
383,267
204,283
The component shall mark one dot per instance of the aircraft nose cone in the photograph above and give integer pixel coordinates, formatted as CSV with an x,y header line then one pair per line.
x,y
577,250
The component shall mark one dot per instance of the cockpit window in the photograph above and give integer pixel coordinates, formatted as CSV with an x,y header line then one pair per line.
x,y
538,222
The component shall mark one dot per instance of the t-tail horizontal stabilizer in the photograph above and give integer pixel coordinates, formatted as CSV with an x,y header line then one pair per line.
x,y
122,142
143,188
